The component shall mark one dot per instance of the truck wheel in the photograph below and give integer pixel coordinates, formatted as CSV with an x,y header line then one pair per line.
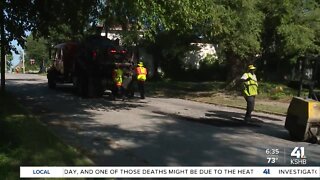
x,y
98,84
76,85
81,86
91,87
51,81
84,86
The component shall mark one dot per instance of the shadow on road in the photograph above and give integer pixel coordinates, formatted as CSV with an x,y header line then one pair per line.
x,y
227,119
227,114
219,120
163,140
41,97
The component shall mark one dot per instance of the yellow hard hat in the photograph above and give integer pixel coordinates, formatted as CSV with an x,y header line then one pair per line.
x,y
251,67
140,63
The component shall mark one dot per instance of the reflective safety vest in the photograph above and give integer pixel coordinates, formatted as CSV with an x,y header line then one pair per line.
x,y
141,73
251,86
117,76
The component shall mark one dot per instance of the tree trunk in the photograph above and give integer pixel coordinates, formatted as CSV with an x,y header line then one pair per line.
x,y
3,63
302,77
156,60
235,70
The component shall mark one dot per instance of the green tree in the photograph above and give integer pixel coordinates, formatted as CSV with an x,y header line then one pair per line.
x,y
156,21
281,31
63,19
300,27
235,26
36,49
14,21
291,31
41,17
236,29
9,59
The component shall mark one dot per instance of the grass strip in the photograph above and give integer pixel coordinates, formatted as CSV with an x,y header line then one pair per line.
x,y
25,141
273,98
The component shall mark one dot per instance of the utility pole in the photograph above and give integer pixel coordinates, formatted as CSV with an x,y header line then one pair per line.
x,y
3,78
23,67
5,61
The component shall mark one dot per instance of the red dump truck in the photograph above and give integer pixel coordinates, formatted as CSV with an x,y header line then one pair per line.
x,y
89,65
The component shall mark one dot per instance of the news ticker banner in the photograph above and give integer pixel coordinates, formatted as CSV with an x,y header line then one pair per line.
x,y
169,172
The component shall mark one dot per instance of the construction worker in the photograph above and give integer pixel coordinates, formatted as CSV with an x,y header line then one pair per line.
x,y
250,90
131,78
117,79
141,78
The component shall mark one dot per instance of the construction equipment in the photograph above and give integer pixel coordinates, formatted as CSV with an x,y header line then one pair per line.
x,y
303,120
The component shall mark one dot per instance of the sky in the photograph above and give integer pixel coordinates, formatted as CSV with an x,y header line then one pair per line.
x,y
16,57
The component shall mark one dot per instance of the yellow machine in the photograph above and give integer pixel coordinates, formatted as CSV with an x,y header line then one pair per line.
x,y
303,119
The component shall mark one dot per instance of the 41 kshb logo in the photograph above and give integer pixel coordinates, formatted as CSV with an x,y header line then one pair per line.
x,y
299,156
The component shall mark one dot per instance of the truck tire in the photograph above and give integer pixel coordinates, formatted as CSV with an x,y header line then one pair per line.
x,y
92,88
51,80
81,86
95,88
76,85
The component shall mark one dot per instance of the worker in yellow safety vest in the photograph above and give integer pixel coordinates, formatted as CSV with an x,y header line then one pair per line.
x,y
117,75
250,90
141,78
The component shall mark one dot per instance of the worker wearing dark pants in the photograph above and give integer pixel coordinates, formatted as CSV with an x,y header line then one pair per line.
x,y
141,89
117,91
141,78
250,90
250,107
117,78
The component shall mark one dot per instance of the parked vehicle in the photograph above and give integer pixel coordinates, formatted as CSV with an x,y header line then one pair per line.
x,y
88,65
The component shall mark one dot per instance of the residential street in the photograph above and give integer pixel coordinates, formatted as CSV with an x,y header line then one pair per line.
x,y
156,131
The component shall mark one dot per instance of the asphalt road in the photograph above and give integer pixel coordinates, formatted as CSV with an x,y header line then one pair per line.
x,y
157,131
